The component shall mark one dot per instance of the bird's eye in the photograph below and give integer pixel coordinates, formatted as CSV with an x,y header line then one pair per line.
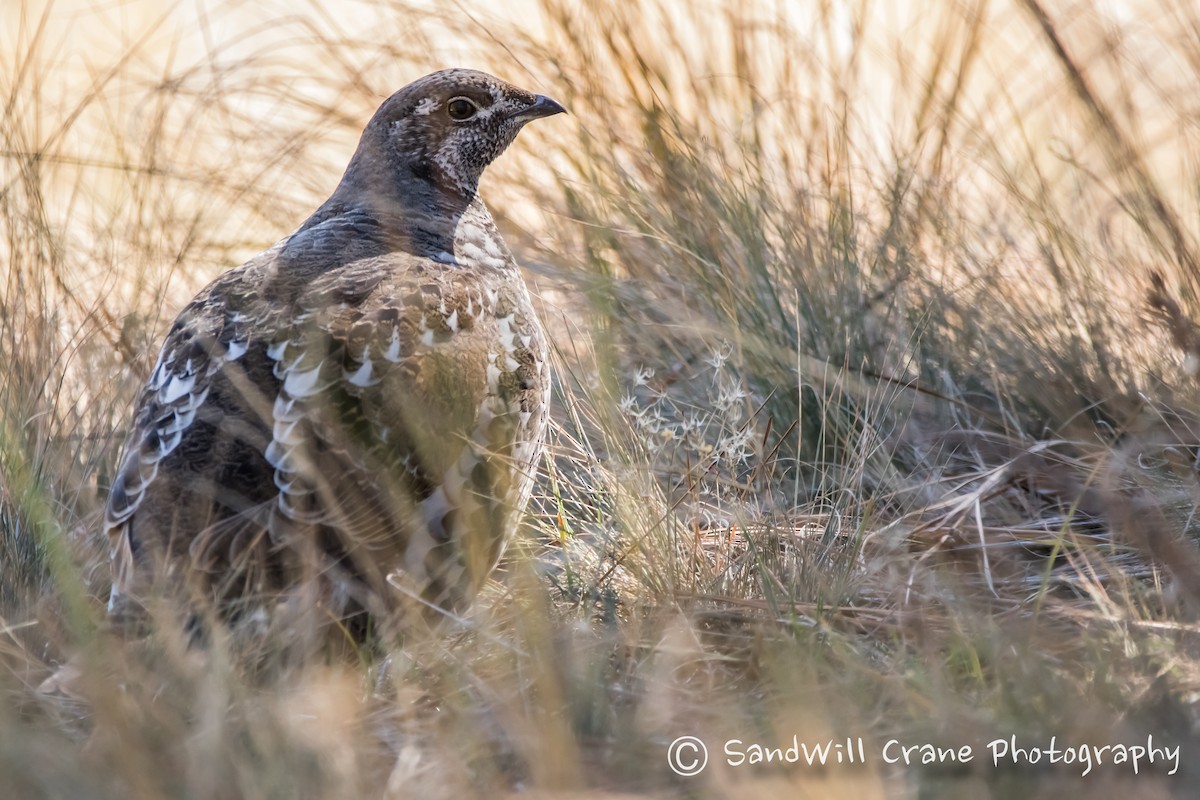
x,y
460,108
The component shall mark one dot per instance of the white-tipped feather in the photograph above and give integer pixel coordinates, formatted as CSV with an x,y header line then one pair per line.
x,y
361,377
275,351
236,350
176,387
303,384
393,349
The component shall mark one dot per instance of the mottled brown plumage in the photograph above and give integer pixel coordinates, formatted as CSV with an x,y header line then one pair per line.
x,y
352,417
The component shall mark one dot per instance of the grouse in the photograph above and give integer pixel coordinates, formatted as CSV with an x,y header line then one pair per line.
x,y
351,420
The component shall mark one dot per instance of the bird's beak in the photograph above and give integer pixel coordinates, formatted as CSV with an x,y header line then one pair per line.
x,y
542,107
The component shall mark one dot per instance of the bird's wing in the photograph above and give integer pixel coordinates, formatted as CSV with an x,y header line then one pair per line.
x,y
383,379
215,332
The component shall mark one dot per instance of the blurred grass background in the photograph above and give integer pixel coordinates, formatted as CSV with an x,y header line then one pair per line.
x,y
876,406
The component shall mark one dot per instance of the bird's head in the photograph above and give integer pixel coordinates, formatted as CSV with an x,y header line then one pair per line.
x,y
447,127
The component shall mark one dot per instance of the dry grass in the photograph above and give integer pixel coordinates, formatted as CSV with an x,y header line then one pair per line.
x,y
875,417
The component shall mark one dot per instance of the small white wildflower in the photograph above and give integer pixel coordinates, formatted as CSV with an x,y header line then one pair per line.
x,y
653,422
692,423
729,394
719,355
736,448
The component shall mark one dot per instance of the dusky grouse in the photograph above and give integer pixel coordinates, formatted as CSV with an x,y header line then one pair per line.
x,y
354,416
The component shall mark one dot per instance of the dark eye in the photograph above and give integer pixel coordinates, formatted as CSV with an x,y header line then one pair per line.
x,y
461,108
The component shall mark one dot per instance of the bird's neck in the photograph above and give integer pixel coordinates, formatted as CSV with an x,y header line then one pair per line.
x,y
421,217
